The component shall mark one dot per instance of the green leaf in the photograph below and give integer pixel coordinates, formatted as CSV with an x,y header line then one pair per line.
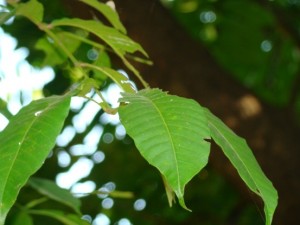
x,y
54,55
3,109
52,191
110,14
26,143
242,158
68,219
33,10
122,81
119,42
4,16
22,218
169,131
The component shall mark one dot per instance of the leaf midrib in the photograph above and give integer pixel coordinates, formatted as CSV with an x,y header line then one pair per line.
x,y
19,149
228,142
171,140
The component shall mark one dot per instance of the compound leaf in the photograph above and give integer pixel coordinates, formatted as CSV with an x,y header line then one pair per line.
x,y
169,132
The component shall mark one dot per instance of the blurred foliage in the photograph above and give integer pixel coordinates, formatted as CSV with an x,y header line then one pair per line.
x,y
256,41
246,38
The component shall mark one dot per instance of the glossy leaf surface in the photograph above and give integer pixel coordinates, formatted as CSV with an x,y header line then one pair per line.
x,y
242,158
28,139
52,191
169,132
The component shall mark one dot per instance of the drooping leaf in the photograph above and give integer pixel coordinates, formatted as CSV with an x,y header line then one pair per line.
x,y
53,55
52,191
26,143
110,14
169,132
122,81
33,10
242,158
22,218
119,42
68,219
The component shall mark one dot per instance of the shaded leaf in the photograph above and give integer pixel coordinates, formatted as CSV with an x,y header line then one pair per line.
x,y
121,80
22,218
110,14
33,10
68,219
53,55
169,131
26,143
52,191
242,158
119,42
4,16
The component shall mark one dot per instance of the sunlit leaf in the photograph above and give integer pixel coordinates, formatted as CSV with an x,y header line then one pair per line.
x,y
68,219
242,158
169,131
26,143
22,218
110,14
33,10
52,191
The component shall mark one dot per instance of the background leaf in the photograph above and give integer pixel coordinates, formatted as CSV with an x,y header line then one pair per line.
x,y
52,191
22,218
110,14
68,219
242,158
28,139
33,10
169,131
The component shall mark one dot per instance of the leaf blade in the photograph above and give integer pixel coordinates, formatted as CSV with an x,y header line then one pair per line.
x,y
110,14
28,138
52,191
169,132
242,158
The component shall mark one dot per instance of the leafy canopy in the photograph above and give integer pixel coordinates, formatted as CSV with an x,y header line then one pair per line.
x,y
172,133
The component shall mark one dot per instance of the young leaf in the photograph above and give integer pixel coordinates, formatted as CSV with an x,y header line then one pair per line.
x,y
26,143
68,219
33,10
52,191
242,158
169,131
110,14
